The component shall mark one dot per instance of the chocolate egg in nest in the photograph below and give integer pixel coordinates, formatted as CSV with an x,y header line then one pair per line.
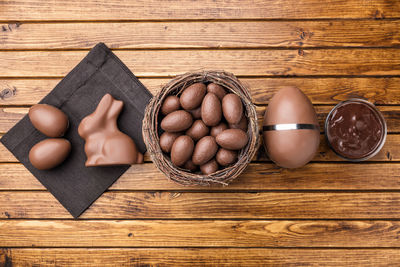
x,y
215,111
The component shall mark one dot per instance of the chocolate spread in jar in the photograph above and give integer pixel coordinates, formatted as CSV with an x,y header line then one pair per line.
x,y
355,130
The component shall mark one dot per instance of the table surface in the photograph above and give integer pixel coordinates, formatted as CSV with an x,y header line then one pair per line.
x,y
329,212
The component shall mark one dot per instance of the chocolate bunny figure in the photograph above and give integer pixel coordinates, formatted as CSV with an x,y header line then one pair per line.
x,y
105,144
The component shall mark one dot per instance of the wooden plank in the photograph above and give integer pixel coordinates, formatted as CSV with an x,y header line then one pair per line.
x,y
390,152
267,62
204,233
186,9
319,90
254,34
189,205
257,176
9,116
197,257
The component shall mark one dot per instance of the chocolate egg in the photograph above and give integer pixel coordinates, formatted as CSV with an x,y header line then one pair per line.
x,y
209,167
232,139
197,130
167,139
226,157
189,165
192,96
232,108
177,121
243,124
211,111
49,120
182,150
49,153
216,130
204,150
290,128
196,113
216,89
170,104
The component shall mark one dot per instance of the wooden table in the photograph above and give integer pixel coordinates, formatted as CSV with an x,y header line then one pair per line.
x,y
329,212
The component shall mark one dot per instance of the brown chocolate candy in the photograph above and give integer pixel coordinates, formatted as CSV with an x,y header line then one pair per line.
x,y
211,111
49,120
177,121
182,150
204,150
232,139
171,104
209,167
216,130
290,128
216,89
192,96
198,130
167,139
105,144
190,166
49,153
232,108
226,157
243,124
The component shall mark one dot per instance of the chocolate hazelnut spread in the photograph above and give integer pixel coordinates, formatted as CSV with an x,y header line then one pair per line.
x,y
355,129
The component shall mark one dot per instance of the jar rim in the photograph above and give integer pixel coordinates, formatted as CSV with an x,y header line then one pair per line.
x,y
377,112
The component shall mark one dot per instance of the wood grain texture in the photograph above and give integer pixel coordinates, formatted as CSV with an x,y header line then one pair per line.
x,y
247,62
389,152
257,176
197,257
231,34
186,9
9,116
328,213
205,233
193,205
319,90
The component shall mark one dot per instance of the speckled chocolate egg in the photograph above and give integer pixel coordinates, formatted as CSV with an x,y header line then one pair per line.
x,y
170,104
232,139
49,153
204,150
209,167
232,108
216,130
243,124
167,139
197,130
196,113
226,157
182,150
177,121
48,119
189,165
290,128
192,96
211,111
216,89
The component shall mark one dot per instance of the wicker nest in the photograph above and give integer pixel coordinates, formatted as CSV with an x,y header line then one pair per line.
x,y
151,132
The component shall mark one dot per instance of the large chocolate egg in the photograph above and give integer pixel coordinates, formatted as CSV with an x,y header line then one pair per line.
x,y
290,128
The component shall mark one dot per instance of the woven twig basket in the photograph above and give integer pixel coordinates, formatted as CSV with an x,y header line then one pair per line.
x,y
151,131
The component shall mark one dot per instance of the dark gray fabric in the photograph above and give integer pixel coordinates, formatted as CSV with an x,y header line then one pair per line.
x,y
100,72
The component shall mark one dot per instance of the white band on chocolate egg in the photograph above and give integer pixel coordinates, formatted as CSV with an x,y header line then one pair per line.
x,y
290,126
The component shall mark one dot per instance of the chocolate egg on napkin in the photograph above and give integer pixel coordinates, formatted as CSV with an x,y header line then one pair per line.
x,y
48,119
290,128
